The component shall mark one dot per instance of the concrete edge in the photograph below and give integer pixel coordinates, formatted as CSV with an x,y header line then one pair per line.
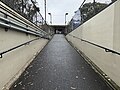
x,y
106,78
19,73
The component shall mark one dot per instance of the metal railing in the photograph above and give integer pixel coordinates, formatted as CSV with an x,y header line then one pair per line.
x,y
102,47
12,25
11,49
95,11
11,20
26,8
82,18
6,23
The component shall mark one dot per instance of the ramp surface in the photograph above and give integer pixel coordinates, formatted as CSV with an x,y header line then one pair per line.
x,y
59,67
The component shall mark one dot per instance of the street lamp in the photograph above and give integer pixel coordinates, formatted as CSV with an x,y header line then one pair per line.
x,y
65,17
50,17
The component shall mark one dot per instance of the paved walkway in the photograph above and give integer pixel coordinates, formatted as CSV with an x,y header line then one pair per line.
x,y
59,67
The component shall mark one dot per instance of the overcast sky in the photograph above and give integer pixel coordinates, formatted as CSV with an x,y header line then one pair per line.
x,y
58,8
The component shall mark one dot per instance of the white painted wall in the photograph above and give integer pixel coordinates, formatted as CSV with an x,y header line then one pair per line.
x,y
104,30
13,63
117,27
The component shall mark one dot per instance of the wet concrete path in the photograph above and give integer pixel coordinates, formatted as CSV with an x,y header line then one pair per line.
x,y
59,67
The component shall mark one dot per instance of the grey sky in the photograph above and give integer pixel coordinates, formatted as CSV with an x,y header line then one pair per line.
x,y
58,8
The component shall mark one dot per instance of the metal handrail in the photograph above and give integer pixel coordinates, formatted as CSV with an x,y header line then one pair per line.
x,y
16,28
23,15
12,14
106,49
4,52
18,20
11,22
15,14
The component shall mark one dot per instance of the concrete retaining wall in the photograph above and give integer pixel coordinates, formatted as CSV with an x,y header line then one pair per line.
x,y
103,30
13,63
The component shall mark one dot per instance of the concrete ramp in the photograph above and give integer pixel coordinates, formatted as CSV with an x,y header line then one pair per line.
x,y
59,67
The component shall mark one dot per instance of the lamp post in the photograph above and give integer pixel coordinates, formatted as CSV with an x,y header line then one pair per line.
x,y
50,17
65,23
65,17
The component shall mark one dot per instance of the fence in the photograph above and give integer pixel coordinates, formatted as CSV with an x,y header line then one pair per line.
x,y
86,11
28,9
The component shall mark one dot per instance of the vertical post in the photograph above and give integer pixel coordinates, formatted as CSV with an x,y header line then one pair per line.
x,y
65,17
45,10
41,17
22,7
36,18
81,18
42,20
65,22
94,6
50,17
